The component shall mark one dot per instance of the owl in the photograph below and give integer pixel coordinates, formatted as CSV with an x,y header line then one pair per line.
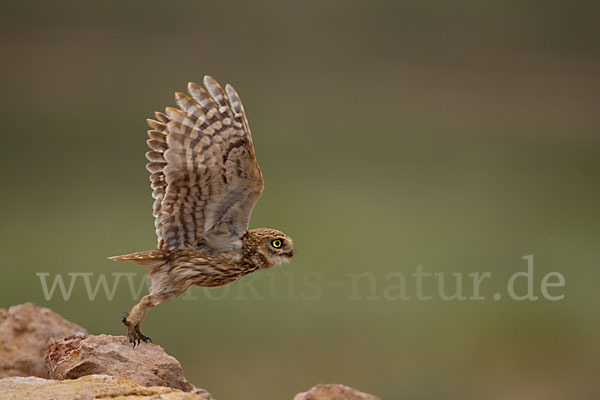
x,y
205,182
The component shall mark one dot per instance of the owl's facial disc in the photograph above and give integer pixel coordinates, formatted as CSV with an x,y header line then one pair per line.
x,y
280,249
266,247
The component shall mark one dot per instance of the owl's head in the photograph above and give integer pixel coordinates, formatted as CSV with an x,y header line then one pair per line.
x,y
266,248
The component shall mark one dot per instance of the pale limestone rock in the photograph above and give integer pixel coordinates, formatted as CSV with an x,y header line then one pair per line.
x,y
86,388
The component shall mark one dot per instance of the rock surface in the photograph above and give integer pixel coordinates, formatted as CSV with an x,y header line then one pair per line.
x,y
334,392
25,330
147,364
87,388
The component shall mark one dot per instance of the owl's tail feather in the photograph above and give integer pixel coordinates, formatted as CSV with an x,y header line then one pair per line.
x,y
149,258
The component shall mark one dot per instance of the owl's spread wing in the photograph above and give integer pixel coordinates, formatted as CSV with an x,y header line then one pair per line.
x,y
204,175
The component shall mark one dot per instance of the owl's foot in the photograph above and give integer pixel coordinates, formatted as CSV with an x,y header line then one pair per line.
x,y
134,333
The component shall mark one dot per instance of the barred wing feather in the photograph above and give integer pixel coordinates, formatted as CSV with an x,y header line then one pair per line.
x,y
204,176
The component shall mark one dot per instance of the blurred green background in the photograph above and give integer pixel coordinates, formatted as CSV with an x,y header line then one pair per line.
x,y
460,136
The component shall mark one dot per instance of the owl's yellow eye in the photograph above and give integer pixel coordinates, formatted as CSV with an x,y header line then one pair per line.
x,y
277,243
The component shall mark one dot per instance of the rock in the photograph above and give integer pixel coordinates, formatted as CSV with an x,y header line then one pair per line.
x,y
25,330
147,364
86,388
334,392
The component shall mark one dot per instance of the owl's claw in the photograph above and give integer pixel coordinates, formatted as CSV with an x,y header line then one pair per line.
x,y
134,333
141,336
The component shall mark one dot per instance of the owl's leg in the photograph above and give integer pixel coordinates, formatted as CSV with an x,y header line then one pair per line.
x,y
134,319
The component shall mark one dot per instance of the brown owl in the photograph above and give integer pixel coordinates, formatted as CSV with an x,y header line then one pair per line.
x,y
205,181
